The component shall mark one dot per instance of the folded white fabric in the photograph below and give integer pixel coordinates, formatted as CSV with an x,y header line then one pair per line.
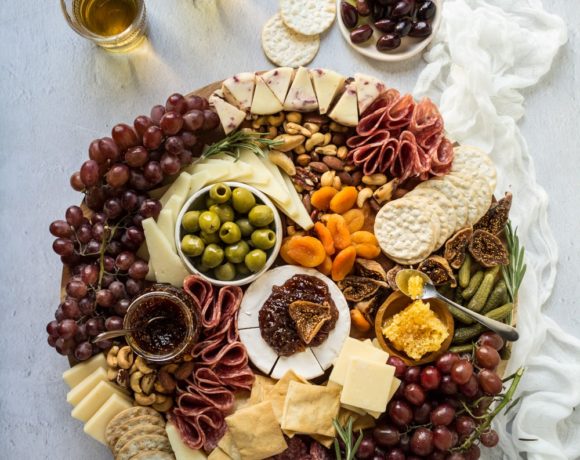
x,y
486,52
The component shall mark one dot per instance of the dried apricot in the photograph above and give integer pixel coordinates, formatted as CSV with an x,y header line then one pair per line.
x,y
359,321
325,237
284,251
362,236
367,250
355,219
306,251
325,267
343,263
343,200
321,198
339,230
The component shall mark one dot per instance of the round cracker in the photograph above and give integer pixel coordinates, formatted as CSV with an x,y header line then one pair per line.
x,y
308,17
151,442
139,430
471,160
406,231
112,431
284,47
453,194
153,455
442,208
477,193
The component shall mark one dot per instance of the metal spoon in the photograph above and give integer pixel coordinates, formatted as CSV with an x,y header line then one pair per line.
x,y
429,291
119,332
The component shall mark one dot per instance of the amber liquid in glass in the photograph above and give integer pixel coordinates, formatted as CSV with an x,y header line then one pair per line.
x,y
106,17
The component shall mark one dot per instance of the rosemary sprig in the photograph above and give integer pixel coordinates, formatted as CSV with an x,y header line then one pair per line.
x,y
346,435
514,272
243,139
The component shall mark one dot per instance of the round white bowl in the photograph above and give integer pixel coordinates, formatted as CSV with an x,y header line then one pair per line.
x,y
410,46
197,201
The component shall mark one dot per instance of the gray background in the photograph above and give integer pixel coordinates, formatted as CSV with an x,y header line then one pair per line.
x,y
58,92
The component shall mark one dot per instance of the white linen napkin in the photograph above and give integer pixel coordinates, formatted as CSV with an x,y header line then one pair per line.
x,y
486,52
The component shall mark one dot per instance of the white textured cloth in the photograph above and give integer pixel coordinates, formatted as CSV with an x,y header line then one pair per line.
x,y
484,54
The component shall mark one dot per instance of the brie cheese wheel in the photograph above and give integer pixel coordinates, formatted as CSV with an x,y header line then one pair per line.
x,y
303,363
327,84
264,102
367,89
239,90
259,351
278,80
345,111
301,96
230,116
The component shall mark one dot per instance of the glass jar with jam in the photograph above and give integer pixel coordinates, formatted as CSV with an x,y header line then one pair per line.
x,y
164,324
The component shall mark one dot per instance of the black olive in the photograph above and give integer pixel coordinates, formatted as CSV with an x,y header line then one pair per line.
x,y
388,42
386,2
402,8
386,25
403,27
420,29
361,34
363,7
427,10
348,14
379,12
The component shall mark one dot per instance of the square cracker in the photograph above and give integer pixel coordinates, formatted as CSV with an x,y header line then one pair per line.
x,y
277,395
256,432
262,385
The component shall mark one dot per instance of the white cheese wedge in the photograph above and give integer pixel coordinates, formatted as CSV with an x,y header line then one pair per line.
x,y
278,80
259,351
303,363
166,223
301,96
168,266
179,187
92,402
174,205
264,102
83,388
353,348
367,90
239,89
327,84
230,117
302,217
97,424
345,111
367,385
181,450
272,188
79,372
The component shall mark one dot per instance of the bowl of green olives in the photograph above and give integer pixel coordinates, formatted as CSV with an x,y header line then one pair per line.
x,y
229,233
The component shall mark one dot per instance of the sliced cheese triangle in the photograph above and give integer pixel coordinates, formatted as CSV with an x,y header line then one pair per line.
x,y
345,111
230,116
278,80
367,89
264,102
327,83
301,96
239,90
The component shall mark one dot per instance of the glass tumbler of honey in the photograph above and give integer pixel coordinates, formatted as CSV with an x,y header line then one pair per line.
x,y
115,25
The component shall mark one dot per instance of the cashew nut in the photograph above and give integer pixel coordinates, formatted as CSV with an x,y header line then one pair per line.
x,y
135,382
315,140
334,126
125,357
260,121
326,180
375,179
142,366
300,150
329,150
112,374
385,192
112,356
147,382
162,403
159,388
294,117
327,139
289,141
283,161
337,183
295,128
272,132
342,152
363,196
276,120
144,400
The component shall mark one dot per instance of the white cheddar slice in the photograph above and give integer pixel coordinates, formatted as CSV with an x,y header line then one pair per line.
x,y
394,387
97,424
353,348
239,89
278,80
75,395
264,102
367,90
199,180
327,84
166,222
301,96
168,266
179,187
230,117
259,352
79,372
175,204
181,450
95,399
345,111
303,363
367,385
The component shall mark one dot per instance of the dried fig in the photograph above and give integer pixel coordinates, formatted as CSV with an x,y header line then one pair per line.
x,y
495,219
370,269
488,249
357,288
456,247
392,275
438,270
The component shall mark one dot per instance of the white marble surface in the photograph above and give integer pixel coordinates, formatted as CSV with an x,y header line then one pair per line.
x,y
58,92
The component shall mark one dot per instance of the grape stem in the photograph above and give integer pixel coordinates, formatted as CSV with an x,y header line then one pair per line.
x,y
484,426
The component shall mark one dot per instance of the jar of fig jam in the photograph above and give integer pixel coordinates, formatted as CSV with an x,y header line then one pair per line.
x,y
172,334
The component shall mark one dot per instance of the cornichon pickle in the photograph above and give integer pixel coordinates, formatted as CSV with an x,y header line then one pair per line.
x,y
498,297
459,315
465,272
477,302
463,334
467,348
474,283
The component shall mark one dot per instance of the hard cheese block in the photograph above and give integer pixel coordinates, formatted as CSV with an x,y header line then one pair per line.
x,y
92,402
351,349
97,424
327,83
367,89
180,449
76,395
278,80
166,223
79,372
239,89
367,385
264,102
230,117
345,111
301,96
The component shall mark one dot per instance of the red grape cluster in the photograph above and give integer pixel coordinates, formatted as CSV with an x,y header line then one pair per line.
x,y
427,417
100,250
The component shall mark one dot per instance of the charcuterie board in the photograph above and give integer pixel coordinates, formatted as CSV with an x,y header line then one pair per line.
x,y
338,183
